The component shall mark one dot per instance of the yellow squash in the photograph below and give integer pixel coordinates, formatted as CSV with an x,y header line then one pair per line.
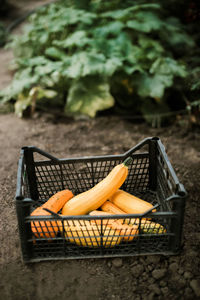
x,y
147,226
96,196
127,232
90,235
129,203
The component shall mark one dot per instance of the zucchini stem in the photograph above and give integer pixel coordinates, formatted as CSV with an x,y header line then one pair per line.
x,y
127,161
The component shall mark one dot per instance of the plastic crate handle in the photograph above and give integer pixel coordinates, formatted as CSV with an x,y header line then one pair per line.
x,y
53,213
42,152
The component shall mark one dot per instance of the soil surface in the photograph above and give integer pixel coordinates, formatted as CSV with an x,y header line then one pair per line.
x,y
145,277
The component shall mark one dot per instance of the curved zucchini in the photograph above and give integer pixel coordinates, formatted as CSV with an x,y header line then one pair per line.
x,y
96,196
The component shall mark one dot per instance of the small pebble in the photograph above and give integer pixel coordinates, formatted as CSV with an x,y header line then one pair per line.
x,y
109,264
145,276
137,270
151,296
176,277
173,267
142,261
153,259
192,253
195,285
187,275
134,263
164,290
158,273
134,288
180,271
154,288
151,280
150,268
188,292
93,271
117,262
172,259
182,282
163,283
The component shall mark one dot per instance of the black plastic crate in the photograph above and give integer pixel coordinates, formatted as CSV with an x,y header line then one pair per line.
x,y
151,177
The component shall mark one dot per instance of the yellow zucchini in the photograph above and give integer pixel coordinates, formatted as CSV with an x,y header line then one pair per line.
x,y
89,235
129,203
96,196
146,226
127,232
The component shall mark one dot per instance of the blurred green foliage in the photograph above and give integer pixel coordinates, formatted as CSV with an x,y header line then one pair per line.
x,y
91,55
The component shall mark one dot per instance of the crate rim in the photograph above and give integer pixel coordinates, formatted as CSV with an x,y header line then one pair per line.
x,y
181,192
91,157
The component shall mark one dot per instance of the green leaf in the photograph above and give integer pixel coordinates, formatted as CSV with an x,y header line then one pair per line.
x,y
43,40
32,62
195,86
112,28
125,13
45,93
133,54
149,6
55,53
150,45
168,66
119,46
175,34
86,97
132,69
87,17
153,86
78,38
112,65
48,68
84,64
22,81
116,14
195,104
22,103
145,22
27,99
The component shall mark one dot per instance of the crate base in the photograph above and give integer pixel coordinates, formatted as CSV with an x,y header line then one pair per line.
x,y
62,258
65,250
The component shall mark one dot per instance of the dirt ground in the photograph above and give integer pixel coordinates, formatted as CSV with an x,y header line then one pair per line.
x,y
146,277
119,278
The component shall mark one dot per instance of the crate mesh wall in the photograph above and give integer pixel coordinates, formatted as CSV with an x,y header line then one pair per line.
x,y
63,246
165,183
80,177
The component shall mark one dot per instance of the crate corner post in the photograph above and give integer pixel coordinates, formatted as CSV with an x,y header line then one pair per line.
x,y
153,146
30,169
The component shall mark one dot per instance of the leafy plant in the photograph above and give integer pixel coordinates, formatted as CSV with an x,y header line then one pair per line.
x,y
83,53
